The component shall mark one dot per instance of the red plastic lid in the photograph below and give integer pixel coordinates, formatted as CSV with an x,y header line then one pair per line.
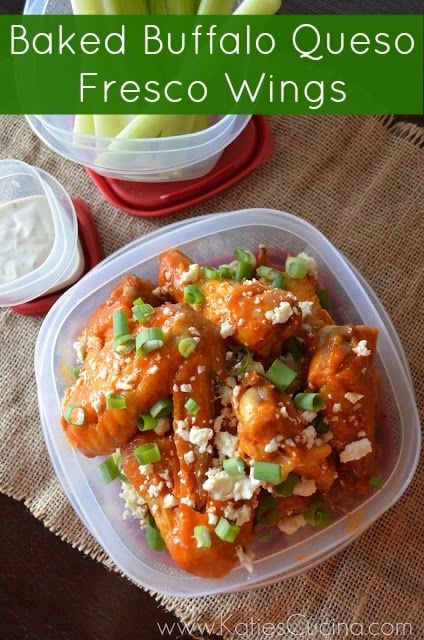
x,y
93,254
250,150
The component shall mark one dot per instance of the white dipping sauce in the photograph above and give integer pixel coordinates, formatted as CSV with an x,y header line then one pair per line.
x,y
26,236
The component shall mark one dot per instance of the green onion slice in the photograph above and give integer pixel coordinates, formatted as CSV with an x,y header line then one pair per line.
x,y
267,512
324,298
147,453
212,273
234,466
149,340
267,471
286,487
153,535
120,323
77,370
116,401
280,375
275,276
109,469
74,414
203,536
240,361
317,514
309,401
321,427
297,267
192,294
376,482
191,406
295,348
124,344
142,312
186,346
146,422
227,531
161,408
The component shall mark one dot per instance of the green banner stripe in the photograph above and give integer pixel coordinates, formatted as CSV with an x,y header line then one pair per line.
x,y
208,65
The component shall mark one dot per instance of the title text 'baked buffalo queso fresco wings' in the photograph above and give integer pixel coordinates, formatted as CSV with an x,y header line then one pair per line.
x,y
228,403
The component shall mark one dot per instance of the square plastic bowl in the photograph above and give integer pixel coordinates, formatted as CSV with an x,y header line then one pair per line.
x,y
207,239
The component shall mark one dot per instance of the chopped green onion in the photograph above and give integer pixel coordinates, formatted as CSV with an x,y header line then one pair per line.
x,y
116,401
186,346
295,348
146,422
203,536
124,344
142,312
280,375
376,482
286,487
109,469
191,406
153,535
77,370
226,272
243,255
244,264
234,466
74,414
267,512
147,453
274,275
192,294
161,408
297,267
317,514
120,323
309,401
239,362
227,531
321,427
212,273
267,471
324,298
149,340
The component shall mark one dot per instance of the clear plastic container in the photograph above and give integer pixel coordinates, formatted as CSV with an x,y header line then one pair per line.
x,y
166,159
20,182
205,239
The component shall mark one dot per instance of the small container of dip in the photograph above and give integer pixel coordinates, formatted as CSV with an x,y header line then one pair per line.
x,y
39,247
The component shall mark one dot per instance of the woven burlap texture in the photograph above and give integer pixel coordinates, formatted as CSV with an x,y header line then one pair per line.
x,y
360,180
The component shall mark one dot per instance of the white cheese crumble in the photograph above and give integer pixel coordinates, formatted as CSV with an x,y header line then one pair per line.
x,y
361,349
226,444
246,558
227,329
162,426
189,457
353,397
308,436
240,515
273,444
356,450
221,486
306,307
291,524
191,275
306,487
280,314
169,501
200,436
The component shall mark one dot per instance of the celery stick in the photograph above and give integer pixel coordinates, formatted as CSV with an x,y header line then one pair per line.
x,y
87,7
84,124
180,7
258,7
109,126
127,7
156,7
215,7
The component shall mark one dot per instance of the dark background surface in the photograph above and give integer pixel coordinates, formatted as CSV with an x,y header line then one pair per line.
x,y
50,591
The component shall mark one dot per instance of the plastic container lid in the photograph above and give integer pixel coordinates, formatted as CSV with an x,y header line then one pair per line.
x,y
203,239
64,263
250,150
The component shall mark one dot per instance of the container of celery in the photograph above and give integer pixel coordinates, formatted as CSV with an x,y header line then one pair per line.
x,y
144,147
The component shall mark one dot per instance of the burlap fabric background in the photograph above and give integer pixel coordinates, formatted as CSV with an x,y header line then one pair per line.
x,y
361,182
